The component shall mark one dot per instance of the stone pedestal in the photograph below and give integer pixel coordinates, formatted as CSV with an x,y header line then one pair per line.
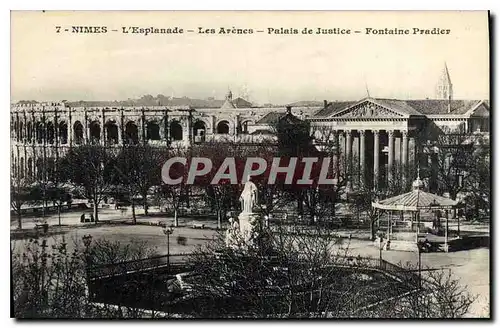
x,y
248,222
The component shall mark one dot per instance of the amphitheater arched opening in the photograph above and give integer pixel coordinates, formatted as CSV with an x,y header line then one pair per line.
x,y
22,168
78,132
29,132
16,130
175,131
223,127
199,130
153,131
14,167
63,133
111,132
21,131
39,132
243,127
51,169
30,168
50,133
39,169
131,133
95,132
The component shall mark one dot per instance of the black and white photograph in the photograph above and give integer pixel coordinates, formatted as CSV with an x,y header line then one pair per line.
x,y
172,165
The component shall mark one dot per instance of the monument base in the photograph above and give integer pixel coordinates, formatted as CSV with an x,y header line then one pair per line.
x,y
248,222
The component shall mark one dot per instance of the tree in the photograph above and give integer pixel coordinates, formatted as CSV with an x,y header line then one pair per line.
x,y
293,273
49,279
48,282
91,168
138,169
326,139
454,162
479,185
442,297
172,194
21,192
222,196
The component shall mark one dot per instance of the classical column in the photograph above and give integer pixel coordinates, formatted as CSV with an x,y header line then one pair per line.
x,y
348,151
404,159
376,160
336,140
362,154
390,161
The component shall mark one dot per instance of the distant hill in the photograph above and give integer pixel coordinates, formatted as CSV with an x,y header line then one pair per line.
x,y
149,100
161,100
306,103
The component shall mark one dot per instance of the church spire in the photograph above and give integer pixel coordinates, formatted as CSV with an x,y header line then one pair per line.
x,y
444,88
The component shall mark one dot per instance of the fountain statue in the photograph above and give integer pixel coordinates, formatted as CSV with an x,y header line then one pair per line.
x,y
248,197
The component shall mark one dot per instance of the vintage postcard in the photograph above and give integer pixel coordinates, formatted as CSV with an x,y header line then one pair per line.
x,y
239,164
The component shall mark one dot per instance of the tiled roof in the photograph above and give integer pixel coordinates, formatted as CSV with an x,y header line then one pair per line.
x,y
242,103
398,105
270,118
227,105
409,107
334,107
438,106
274,117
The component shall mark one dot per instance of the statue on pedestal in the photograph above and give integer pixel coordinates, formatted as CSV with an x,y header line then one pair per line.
x,y
244,233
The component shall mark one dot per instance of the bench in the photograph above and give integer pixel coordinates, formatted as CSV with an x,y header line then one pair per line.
x,y
42,226
198,226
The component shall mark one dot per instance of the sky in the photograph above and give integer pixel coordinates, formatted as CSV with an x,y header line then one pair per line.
x,y
265,68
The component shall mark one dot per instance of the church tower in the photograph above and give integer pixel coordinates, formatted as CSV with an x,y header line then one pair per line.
x,y
229,96
444,88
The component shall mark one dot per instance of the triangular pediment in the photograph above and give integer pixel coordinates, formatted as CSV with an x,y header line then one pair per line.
x,y
369,108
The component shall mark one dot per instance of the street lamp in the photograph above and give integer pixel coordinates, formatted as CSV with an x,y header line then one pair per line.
x,y
380,246
87,240
168,231
420,245
385,151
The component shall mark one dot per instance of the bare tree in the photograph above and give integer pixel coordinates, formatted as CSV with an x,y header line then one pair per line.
x,y
442,297
173,194
291,272
139,169
223,196
51,280
90,167
20,194
479,185
454,162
